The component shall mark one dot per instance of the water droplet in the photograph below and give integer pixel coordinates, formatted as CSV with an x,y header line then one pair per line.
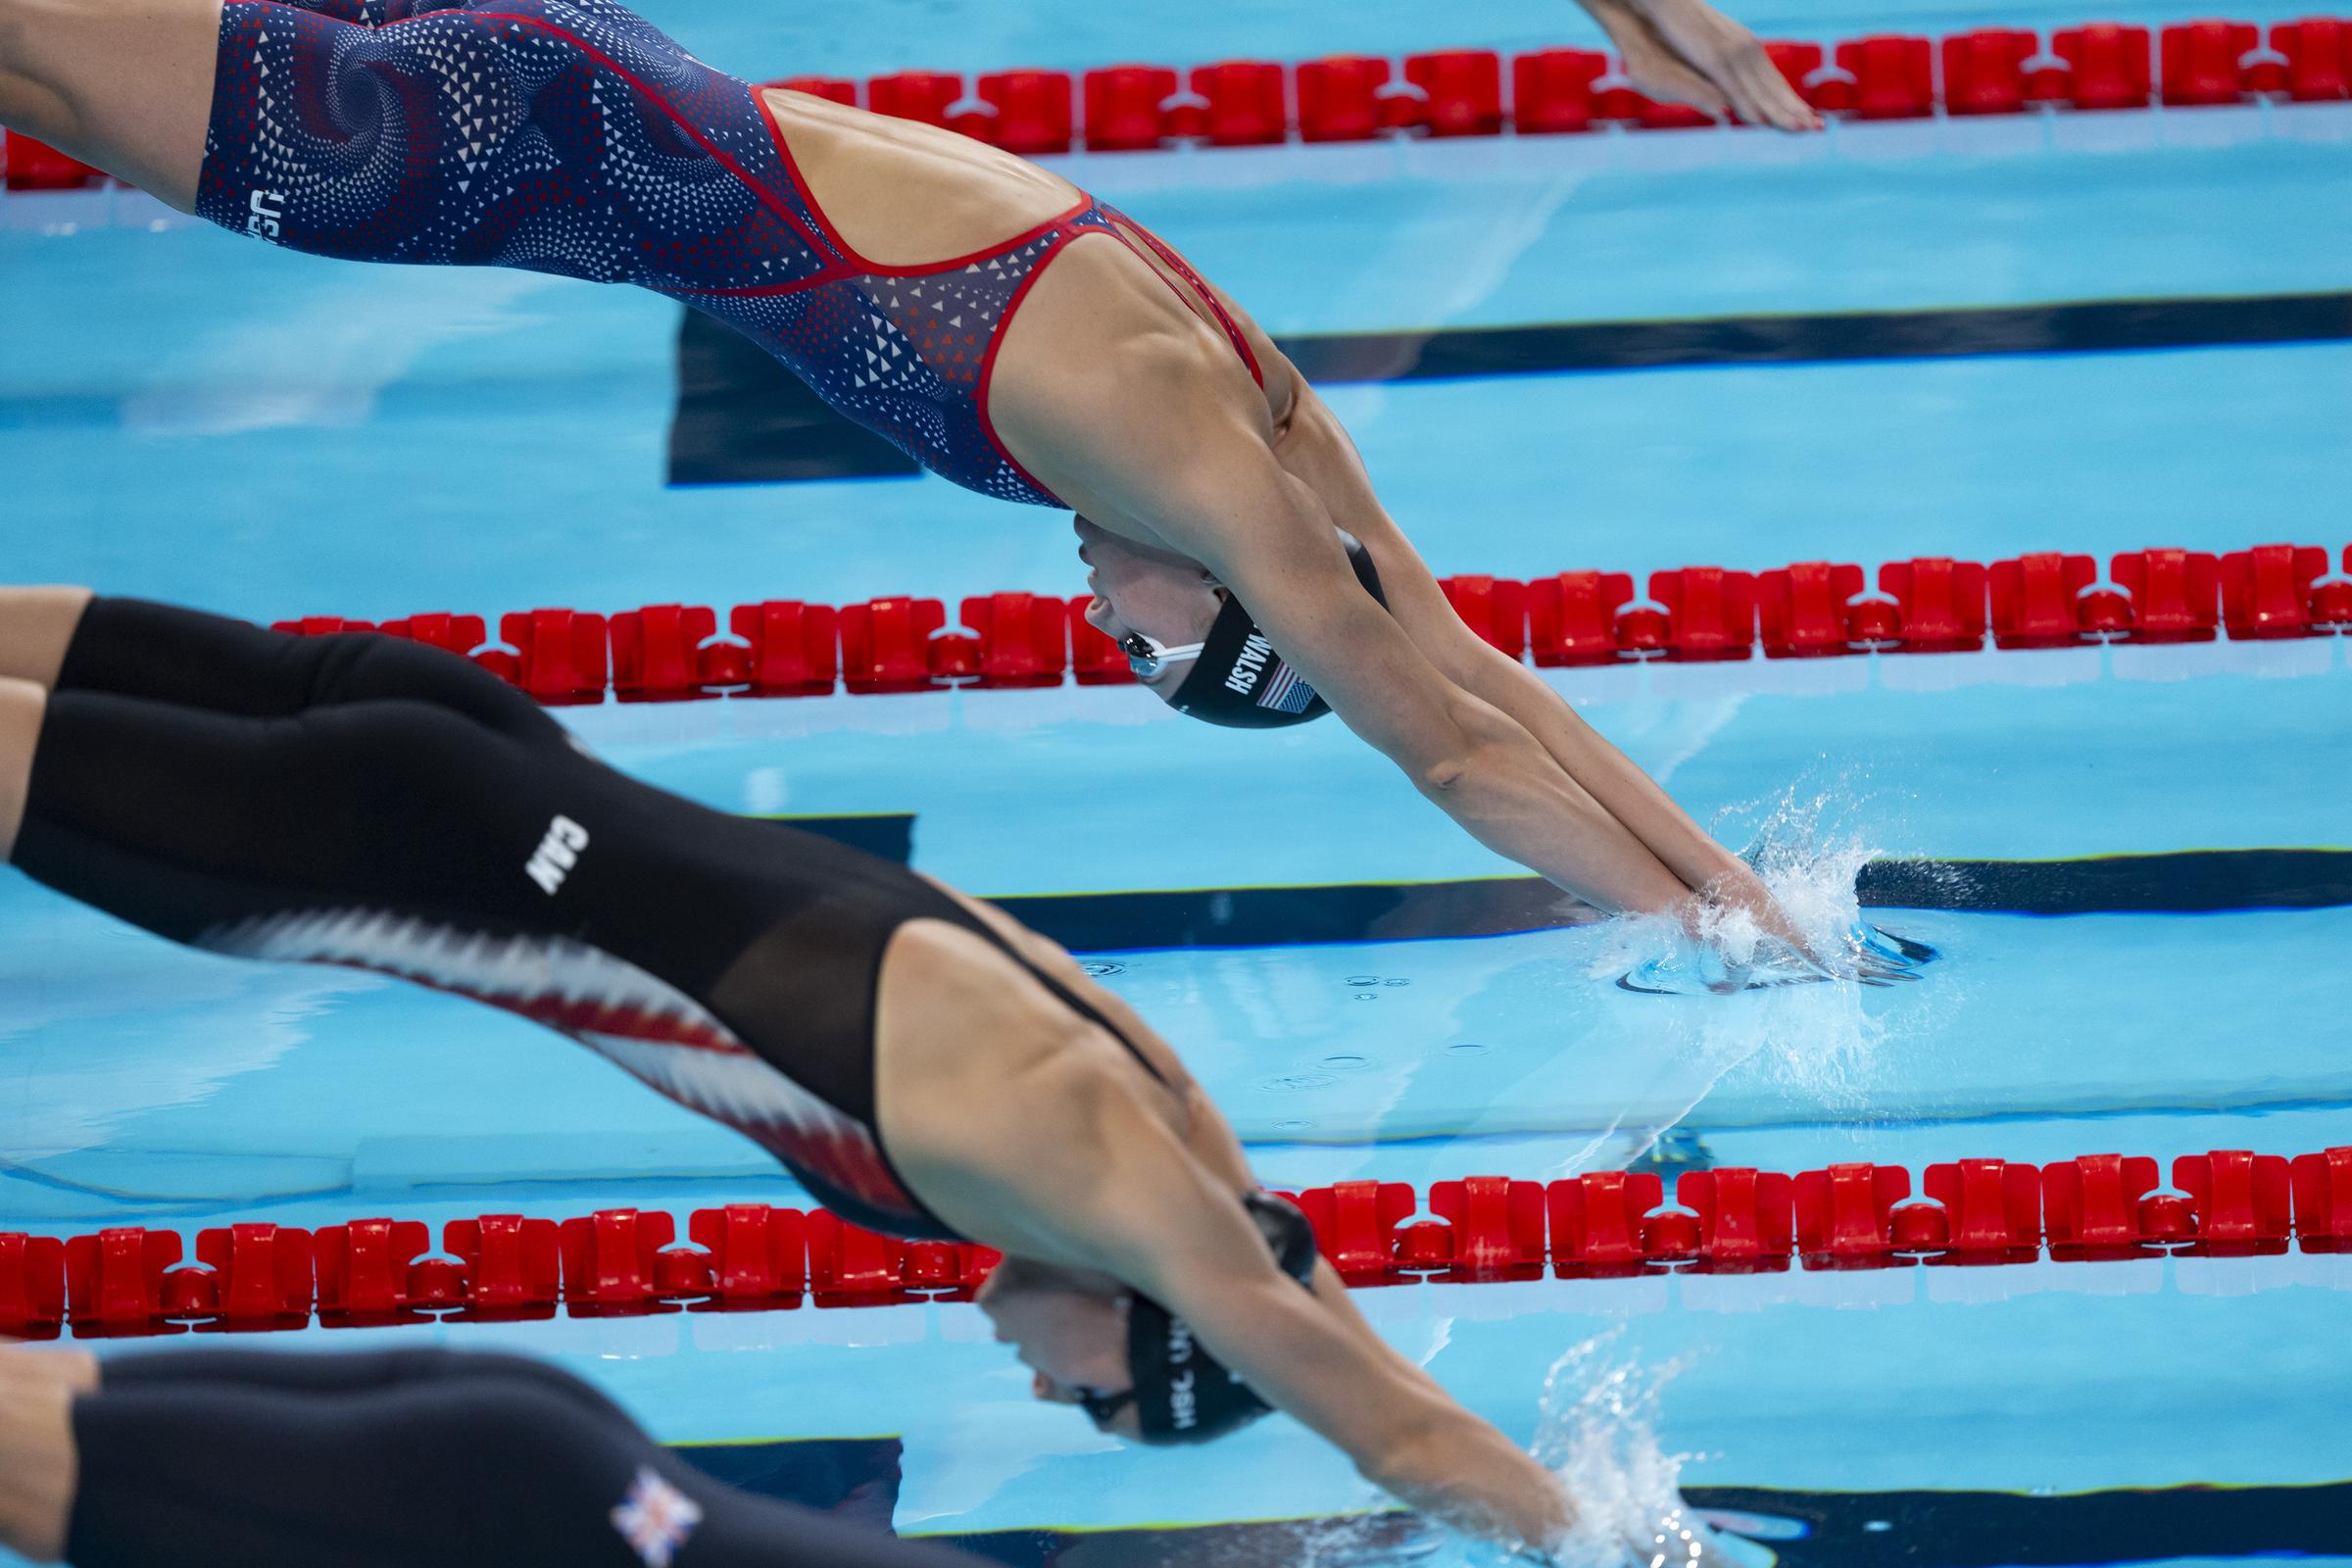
x,y
1367,996
1098,967
1362,980
1291,1124
1344,1061
1297,1080
1465,1048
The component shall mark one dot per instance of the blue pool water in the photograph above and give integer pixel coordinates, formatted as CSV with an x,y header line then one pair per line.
x,y
191,417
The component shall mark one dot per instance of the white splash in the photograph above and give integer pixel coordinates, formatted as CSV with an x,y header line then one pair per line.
x,y
1816,1037
1599,1434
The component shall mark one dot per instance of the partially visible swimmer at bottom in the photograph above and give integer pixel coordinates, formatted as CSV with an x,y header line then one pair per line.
x,y
372,1460
921,1062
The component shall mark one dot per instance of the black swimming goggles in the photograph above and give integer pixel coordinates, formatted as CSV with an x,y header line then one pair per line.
x,y
1104,1408
1148,657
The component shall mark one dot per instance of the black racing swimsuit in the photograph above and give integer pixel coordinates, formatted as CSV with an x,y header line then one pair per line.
x,y
364,801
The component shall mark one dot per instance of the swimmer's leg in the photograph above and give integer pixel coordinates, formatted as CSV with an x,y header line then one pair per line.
x,y
461,1471
135,648
36,624
24,705
351,1371
123,84
208,828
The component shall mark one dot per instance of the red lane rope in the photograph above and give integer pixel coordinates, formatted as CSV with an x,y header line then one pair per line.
x,y
623,1263
1461,92
792,648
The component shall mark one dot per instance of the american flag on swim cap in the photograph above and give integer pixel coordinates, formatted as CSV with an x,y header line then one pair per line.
x,y
1285,690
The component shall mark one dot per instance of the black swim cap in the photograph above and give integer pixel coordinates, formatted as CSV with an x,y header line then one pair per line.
x,y
1181,1393
1241,683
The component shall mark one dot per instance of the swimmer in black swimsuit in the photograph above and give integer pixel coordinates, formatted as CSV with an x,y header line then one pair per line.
x,y
372,1460
924,1064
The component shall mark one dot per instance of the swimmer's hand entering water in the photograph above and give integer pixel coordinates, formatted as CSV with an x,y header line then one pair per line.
x,y
1687,52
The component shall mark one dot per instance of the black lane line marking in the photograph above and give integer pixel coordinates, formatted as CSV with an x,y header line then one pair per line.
x,y
743,419
2180,882
2093,326
2193,882
859,1477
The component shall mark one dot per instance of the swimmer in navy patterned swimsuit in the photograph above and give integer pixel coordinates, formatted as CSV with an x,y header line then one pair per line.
x,y
990,319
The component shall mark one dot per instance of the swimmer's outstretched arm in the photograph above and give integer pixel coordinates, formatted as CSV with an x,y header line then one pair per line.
x,y
1316,449
1071,1159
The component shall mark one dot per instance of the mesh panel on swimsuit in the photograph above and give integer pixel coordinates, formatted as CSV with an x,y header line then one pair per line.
x,y
571,136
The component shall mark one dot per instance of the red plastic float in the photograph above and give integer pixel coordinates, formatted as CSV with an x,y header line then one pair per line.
x,y
1844,1214
1123,107
1985,70
1498,1225
1551,90
1596,1221
514,1266
885,644
1992,1209
1338,98
33,1286
2176,594
1035,110
850,1264
115,1279
1355,1226
2322,1201
1023,639
1572,616
2243,1200
2033,599
758,1254
1801,609
1463,90
611,1261
261,1275
2092,1205
362,1268
794,649
2203,62
1711,612
2107,65
1746,1217
1942,604
1245,101
560,655
36,165
2265,590
1894,76
671,652
2318,51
